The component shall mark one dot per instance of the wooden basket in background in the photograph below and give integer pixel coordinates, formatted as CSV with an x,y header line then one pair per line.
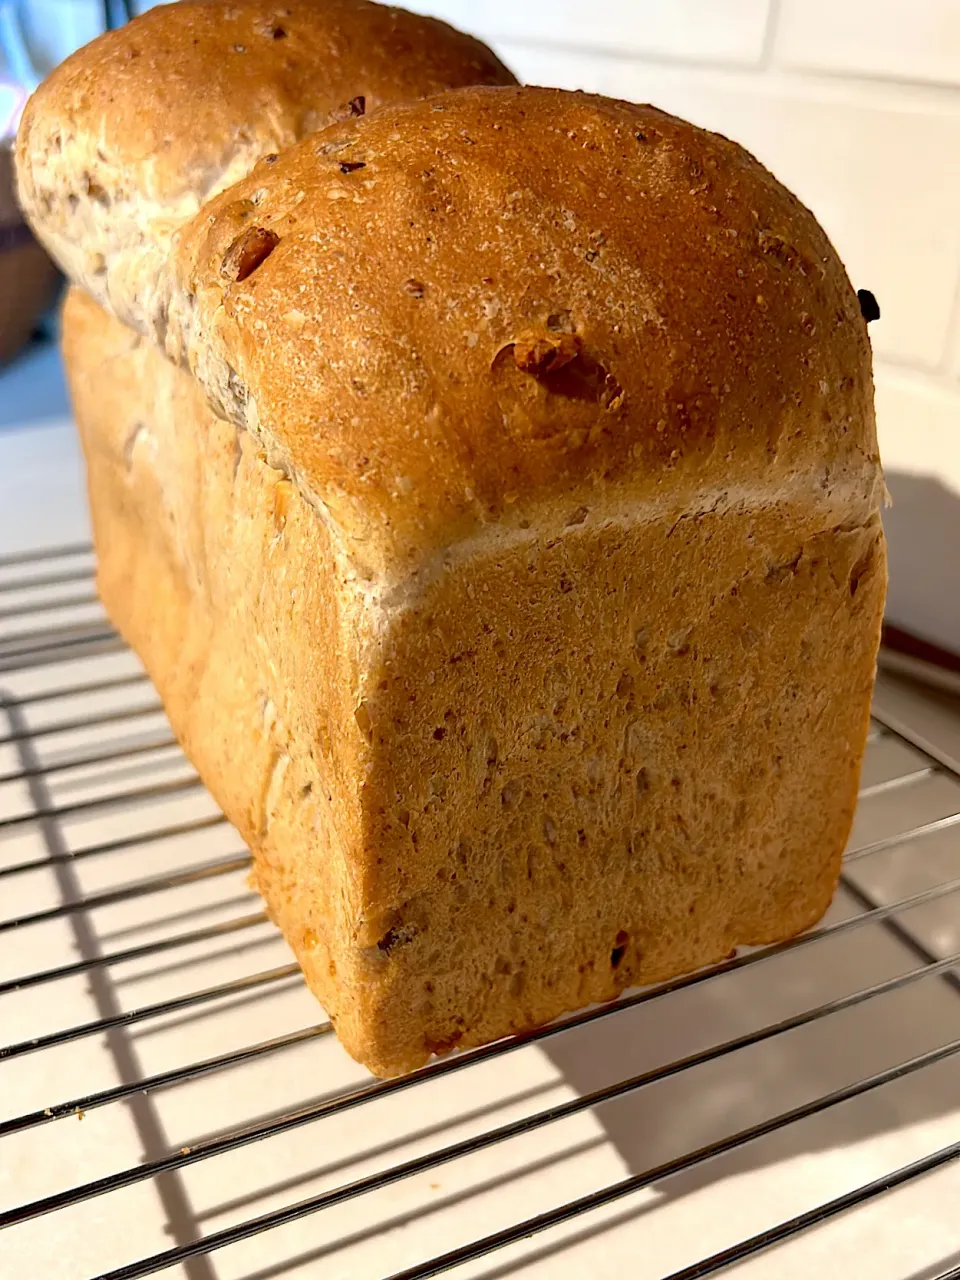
x,y
27,276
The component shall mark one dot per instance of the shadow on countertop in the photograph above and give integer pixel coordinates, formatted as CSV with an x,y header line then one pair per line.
x,y
923,537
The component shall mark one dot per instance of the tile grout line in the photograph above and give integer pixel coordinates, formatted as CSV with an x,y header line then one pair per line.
x,y
913,90
949,364
770,32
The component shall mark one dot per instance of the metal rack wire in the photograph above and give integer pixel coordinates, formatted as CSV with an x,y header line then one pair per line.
x,y
83,745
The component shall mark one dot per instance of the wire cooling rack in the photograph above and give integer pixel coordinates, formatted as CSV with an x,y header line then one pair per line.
x,y
172,1100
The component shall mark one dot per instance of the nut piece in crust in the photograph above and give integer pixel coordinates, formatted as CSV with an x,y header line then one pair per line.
x,y
251,247
544,353
349,110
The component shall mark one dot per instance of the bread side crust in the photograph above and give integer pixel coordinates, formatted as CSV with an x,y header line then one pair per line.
x,y
236,599
609,758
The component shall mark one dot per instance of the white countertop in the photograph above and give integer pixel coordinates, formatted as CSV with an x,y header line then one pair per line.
x,y
909,1234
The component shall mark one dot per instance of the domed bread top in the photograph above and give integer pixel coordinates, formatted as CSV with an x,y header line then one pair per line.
x,y
443,316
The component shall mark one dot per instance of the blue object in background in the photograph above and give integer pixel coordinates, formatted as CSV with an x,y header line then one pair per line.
x,y
17,63
33,390
37,34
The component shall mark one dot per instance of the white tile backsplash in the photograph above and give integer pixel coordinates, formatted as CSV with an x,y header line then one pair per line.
x,y
698,30
908,39
919,420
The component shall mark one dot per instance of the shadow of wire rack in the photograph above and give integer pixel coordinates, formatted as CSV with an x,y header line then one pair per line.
x,y
171,1099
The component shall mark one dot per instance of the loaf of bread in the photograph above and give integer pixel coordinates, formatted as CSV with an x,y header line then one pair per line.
x,y
127,138
506,550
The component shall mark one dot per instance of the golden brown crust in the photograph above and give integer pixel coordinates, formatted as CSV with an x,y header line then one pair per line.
x,y
169,96
612,776
587,758
128,136
526,627
393,348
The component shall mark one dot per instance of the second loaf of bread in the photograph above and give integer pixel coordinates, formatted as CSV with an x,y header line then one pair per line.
x,y
127,138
